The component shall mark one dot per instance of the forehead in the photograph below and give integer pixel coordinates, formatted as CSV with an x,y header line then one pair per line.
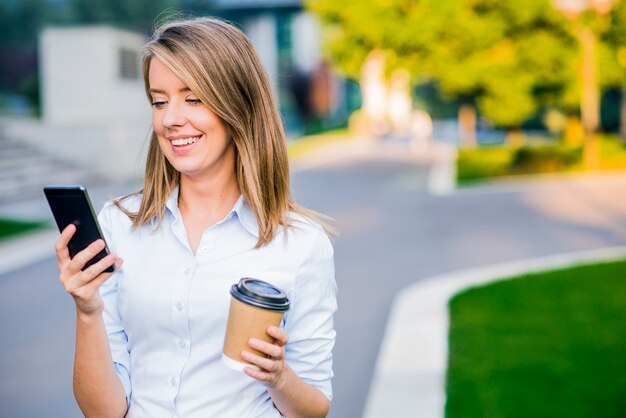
x,y
161,77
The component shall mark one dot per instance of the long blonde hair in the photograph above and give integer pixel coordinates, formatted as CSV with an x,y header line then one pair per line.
x,y
219,65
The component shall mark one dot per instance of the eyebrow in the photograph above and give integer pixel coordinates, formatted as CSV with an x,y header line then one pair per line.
x,y
159,91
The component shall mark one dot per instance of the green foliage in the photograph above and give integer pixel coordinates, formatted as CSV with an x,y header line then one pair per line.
x,y
613,152
512,57
482,163
545,159
541,345
354,29
10,228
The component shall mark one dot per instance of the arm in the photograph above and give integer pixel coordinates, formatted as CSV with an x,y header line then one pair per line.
x,y
292,396
298,374
98,390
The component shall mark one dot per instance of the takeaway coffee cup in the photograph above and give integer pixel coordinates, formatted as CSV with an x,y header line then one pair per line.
x,y
254,306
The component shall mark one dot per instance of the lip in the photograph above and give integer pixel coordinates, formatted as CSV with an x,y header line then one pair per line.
x,y
184,149
175,137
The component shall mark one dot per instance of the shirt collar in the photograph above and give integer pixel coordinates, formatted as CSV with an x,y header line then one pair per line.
x,y
172,203
241,210
246,216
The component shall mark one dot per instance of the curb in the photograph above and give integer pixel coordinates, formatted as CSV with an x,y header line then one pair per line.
x,y
409,378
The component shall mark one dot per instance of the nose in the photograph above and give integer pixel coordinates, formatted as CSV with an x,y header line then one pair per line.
x,y
173,115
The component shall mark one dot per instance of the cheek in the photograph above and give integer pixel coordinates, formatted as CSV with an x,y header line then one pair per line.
x,y
156,124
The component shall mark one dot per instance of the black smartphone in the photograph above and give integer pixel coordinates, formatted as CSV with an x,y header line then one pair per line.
x,y
71,205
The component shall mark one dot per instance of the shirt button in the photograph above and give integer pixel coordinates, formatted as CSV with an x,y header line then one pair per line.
x,y
179,307
182,344
172,381
187,271
204,250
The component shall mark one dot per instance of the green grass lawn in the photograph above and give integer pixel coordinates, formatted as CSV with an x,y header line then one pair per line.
x,y
9,228
551,344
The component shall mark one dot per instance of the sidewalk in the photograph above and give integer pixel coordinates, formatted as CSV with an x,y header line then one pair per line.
x,y
409,379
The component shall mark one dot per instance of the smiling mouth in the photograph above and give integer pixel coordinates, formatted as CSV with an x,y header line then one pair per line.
x,y
181,142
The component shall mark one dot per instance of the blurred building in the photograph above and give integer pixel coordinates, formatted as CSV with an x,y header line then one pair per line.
x,y
95,113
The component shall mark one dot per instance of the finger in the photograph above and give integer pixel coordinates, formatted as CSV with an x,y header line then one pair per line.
x,y
279,334
80,259
60,246
275,351
82,278
98,268
92,286
259,375
264,363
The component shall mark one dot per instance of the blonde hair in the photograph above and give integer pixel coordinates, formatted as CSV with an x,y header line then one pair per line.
x,y
219,65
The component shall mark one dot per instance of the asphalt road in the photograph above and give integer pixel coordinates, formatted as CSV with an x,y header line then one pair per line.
x,y
393,232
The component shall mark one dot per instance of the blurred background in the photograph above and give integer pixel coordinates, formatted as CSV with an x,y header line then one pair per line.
x,y
442,135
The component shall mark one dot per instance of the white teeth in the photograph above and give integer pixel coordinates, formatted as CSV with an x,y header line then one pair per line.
x,y
184,141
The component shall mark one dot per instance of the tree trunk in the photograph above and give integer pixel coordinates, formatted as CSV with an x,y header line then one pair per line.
x,y
515,138
622,119
574,134
467,126
590,98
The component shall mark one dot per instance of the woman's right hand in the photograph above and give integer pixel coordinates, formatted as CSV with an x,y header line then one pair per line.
x,y
84,285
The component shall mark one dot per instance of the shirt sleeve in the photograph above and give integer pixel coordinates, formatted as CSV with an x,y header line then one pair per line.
x,y
118,341
309,321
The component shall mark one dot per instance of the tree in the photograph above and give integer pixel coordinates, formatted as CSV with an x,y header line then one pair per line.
x,y
509,58
615,38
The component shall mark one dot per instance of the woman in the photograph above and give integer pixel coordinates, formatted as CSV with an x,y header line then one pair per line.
x,y
215,207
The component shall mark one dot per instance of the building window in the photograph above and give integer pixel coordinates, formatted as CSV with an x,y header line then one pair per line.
x,y
128,64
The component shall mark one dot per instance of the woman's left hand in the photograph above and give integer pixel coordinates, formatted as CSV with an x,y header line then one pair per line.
x,y
272,367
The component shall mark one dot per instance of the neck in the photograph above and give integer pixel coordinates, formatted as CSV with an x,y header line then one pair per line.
x,y
211,198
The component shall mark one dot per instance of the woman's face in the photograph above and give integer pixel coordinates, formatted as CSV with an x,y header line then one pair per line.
x,y
192,137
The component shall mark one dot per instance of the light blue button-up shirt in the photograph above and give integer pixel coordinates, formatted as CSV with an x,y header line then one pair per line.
x,y
166,310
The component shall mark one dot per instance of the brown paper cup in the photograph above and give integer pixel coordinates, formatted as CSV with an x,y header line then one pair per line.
x,y
246,321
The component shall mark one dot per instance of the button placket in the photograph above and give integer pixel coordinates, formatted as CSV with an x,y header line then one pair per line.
x,y
208,242
179,306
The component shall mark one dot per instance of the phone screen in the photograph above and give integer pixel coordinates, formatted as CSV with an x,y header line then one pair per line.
x,y
71,205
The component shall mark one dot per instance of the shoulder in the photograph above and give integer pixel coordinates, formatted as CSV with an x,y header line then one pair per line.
x,y
113,210
309,237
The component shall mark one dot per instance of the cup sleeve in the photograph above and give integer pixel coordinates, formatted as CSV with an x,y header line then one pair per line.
x,y
118,340
309,322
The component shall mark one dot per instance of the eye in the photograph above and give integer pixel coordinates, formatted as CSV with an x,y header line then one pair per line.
x,y
159,104
194,102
